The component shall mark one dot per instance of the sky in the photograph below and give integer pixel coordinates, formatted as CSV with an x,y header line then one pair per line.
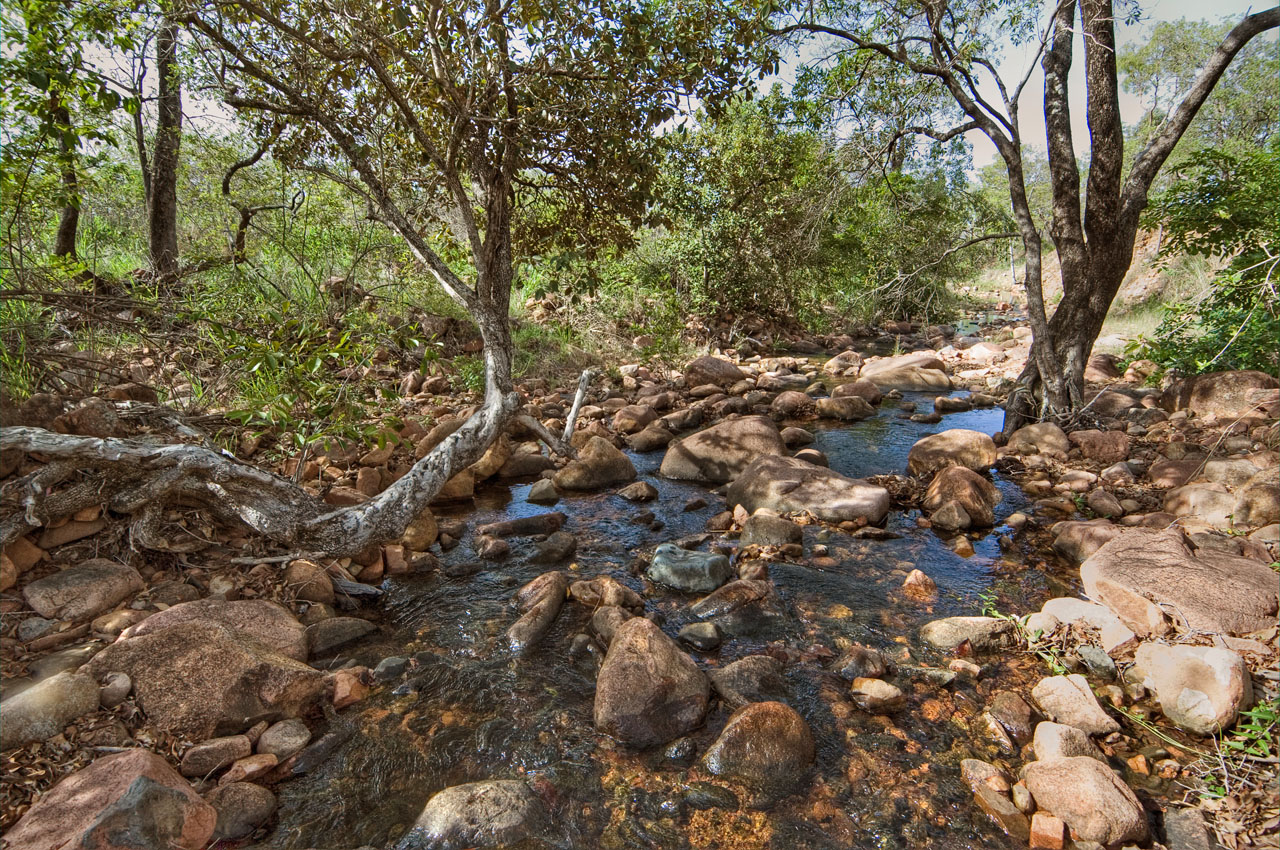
x,y
1031,113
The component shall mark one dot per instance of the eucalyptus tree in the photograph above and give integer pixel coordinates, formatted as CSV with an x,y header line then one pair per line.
x,y
460,124
956,49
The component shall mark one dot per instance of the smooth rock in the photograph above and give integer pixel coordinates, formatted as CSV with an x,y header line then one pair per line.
x,y
283,739
267,622
1058,741
1089,798
599,464
975,494
787,485
1200,688
1068,699
720,453
42,710
984,634
493,813
954,447
648,691
754,678
82,591
877,696
766,746
763,529
242,807
688,570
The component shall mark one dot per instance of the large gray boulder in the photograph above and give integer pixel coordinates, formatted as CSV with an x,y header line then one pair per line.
x,y
953,447
712,370
648,691
699,572
494,813
267,622
919,371
719,454
786,485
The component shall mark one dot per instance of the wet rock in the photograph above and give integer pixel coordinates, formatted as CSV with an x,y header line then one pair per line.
x,y
703,636
267,622
1143,569
560,546
712,370
1068,699
283,739
648,692
606,620
604,591
543,492
755,678
719,454
126,800
861,388
954,447
741,608
1200,688
539,603
640,491
1012,712
706,795
1089,798
228,680
984,634
328,635
1226,395
859,662
1046,832
525,526
83,591
951,516
491,548
787,485
919,587
242,807
1058,741
877,696
690,571
763,529
979,774
1002,810
975,494
208,757
493,813
390,668
1104,447
598,465
766,746
42,710
309,582
846,408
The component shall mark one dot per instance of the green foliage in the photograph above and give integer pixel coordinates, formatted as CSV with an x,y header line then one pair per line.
x,y
1223,204
1248,751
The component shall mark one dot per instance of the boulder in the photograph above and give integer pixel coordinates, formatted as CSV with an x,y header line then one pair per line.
x,y
1144,569
1226,395
1067,699
633,418
712,370
1257,504
42,710
1092,800
201,679
652,438
755,678
744,607
842,363
1058,741
1200,688
792,404
242,807
599,464
493,813
1105,447
309,582
687,570
984,634
329,634
954,447
1210,503
921,371
845,408
1077,540
83,591
267,622
788,485
1043,438
764,529
766,746
539,604
132,799
648,692
861,388
719,454
975,494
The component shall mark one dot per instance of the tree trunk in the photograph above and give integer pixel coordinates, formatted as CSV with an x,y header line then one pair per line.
x,y
162,214
64,242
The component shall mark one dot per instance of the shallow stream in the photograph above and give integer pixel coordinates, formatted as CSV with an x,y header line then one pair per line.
x,y
469,711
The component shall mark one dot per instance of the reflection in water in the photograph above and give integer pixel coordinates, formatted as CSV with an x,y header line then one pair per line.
x,y
466,711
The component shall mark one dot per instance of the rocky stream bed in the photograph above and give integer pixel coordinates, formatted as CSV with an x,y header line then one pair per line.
x,y
789,602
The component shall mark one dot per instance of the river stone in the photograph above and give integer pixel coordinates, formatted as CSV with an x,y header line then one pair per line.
x,y
984,634
951,516
493,813
1058,740
599,464
1226,395
1145,568
1092,800
766,746
1068,699
605,621
876,696
953,447
267,622
755,678
652,438
639,491
1012,712
1200,688
242,807
539,603
1104,447
683,569
788,485
971,491
861,388
543,492
633,418
83,591
719,454
1077,540
201,679
648,691
702,636
328,635
604,591
712,370
842,363
309,582
741,608
42,710
559,546
214,754
859,662
132,799
792,404
1257,503
1210,503
283,739
920,371
763,529
845,408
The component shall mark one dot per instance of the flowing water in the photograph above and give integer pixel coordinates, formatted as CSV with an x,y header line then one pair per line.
x,y
469,711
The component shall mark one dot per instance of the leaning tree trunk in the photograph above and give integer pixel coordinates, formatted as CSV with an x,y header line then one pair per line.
x,y
162,191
